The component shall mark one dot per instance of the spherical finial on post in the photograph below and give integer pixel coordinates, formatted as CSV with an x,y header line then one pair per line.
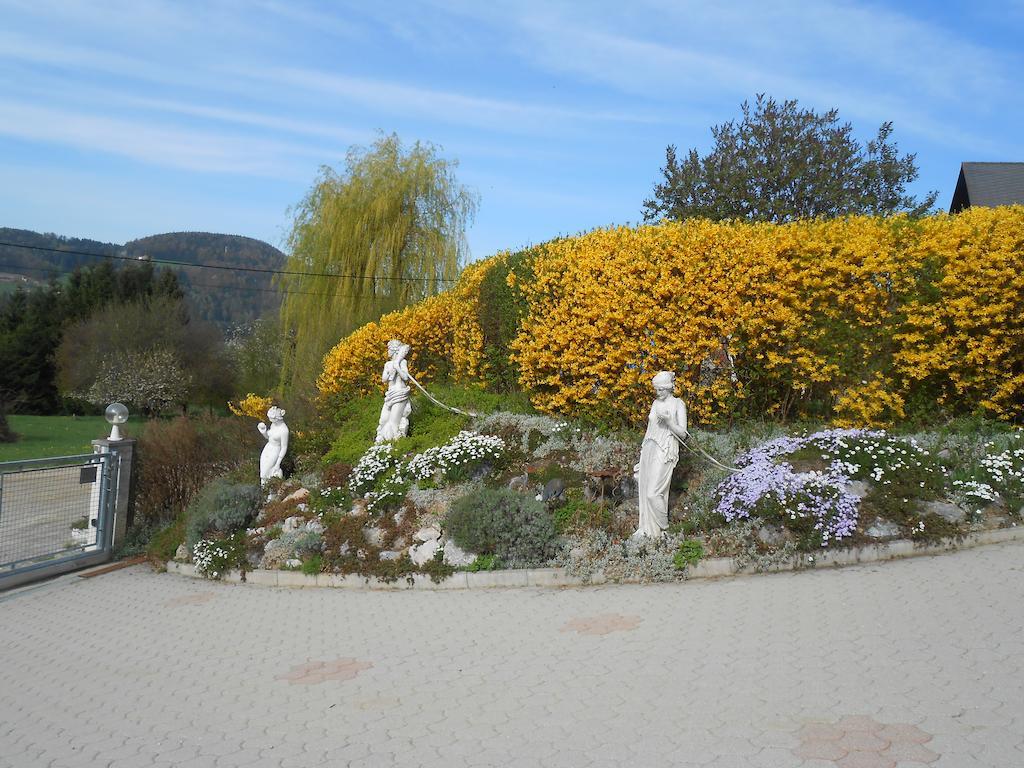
x,y
116,415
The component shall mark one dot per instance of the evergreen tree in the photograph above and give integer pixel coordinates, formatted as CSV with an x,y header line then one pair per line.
x,y
781,163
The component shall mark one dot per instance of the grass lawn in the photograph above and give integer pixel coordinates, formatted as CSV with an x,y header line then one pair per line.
x,y
45,436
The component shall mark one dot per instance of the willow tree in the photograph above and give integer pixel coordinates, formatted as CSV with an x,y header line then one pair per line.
x,y
386,232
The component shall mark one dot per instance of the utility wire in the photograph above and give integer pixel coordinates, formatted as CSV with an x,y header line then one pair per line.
x,y
57,271
261,270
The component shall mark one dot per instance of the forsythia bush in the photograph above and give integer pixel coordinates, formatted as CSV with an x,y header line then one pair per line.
x,y
252,405
860,319
443,330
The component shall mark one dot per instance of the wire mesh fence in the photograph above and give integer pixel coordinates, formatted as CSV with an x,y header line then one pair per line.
x,y
52,508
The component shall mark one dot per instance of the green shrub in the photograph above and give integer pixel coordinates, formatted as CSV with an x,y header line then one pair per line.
x,y
222,506
689,553
312,565
578,514
483,563
165,542
356,421
518,529
501,309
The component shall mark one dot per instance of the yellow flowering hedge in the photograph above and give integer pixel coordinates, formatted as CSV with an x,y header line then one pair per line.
x,y
861,320
443,330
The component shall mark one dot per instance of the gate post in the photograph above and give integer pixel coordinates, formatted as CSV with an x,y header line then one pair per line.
x,y
124,452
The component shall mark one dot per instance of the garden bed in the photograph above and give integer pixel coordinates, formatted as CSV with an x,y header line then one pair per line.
x,y
711,568
506,497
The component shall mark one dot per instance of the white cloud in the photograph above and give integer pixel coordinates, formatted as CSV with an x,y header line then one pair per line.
x,y
442,105
164,145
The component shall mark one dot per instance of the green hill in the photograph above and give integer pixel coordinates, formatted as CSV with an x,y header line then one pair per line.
x,y
225,297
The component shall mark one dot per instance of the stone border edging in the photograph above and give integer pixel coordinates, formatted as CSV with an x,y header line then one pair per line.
x,y
715,567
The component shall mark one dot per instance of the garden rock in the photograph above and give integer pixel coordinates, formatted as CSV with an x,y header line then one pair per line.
x,y
627,488
374,536
181,554
456,556
430,533
299,496
858,488
770,535
883,529
944,509
421,554
292,523
390,555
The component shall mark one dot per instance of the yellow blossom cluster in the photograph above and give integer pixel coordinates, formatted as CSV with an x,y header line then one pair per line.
x,y
859,319
252,405
848,318
443,331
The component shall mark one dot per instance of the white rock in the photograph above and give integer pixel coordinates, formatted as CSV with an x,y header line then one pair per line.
x,y
315,526
292,523
389,555
181,553
430,533
374,536
883,529
947,510
293,563
298,496
455,556
858,488
421,554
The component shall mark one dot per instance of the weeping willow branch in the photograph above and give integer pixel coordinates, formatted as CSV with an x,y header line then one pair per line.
x,y
391,226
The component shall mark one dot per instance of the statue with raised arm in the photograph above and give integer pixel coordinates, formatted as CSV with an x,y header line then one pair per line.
x,y
277,444
666,426
394,416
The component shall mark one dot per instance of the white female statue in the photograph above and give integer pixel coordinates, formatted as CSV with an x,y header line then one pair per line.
x,y
394,416
658,455
276,447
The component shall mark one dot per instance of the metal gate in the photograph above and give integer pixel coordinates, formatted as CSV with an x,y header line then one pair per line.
x,y
55,515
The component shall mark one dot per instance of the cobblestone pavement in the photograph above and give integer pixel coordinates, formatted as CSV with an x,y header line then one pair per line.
x,y
900,664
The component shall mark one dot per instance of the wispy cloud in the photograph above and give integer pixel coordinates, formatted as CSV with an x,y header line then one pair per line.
x,y
440,105
182,148
873,57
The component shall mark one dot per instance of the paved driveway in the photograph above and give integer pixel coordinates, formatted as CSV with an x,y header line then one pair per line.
x,y
900,664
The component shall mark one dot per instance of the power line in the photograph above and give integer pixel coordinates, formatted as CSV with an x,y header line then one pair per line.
x,y
261,270
57,271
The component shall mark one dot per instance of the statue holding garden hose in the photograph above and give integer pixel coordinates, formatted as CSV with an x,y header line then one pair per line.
x,y
394,416
666,429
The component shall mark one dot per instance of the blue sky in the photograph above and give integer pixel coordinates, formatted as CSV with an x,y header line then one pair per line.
x,y
124,118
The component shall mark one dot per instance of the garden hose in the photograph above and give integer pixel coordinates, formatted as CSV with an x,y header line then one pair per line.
x,y
437,402
696,445
704,453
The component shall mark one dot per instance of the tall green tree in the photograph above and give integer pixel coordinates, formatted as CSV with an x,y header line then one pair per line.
x,y
148,353
780,163
386,232
32,324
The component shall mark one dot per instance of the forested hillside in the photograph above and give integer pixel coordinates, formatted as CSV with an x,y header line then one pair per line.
x,y
220,296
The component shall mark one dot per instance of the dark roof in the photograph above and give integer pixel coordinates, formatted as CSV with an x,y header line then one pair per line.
x,y
988,184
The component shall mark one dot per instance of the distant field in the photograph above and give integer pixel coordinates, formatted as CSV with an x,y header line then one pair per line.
x,y
45,436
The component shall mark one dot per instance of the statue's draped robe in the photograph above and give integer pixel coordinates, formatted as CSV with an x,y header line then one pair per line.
x,y
658,457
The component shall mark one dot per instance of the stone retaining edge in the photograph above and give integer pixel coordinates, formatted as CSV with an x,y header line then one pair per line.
x,y
711,568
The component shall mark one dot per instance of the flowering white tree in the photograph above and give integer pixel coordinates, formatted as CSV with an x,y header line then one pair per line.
x,y
151,380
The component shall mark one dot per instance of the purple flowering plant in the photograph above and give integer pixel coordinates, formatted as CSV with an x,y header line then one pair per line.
x,y
815,504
